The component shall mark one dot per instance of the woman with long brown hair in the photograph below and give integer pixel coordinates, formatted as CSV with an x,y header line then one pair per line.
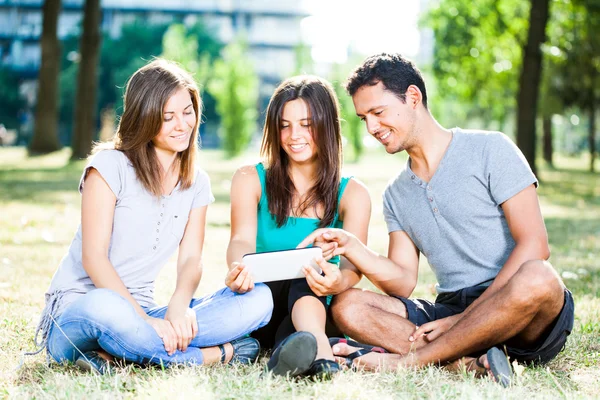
x,y
144,197
275,204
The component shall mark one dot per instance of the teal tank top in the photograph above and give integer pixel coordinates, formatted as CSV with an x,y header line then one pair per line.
x,y
270,237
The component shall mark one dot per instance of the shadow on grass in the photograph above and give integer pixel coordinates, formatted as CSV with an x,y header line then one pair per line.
x,y
575,243
38,185
569,187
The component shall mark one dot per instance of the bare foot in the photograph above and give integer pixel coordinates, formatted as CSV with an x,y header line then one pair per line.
x,y
213,354
351,356
105,355
479,366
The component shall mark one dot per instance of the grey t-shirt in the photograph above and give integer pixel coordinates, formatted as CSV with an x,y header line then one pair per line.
x,y
146,232
456,220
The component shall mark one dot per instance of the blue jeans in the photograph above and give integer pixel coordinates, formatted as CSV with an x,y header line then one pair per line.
x,y
102,319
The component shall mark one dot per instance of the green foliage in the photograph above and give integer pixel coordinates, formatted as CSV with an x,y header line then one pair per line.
x,y
11,101
234,85
121,56
304,64
352,126
178,47
67,89
477,54
195,49
575,46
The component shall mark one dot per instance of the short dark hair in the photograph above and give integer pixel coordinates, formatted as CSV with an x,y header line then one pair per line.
x,y
396,73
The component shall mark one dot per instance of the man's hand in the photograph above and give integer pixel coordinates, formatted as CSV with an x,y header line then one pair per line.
x,y
165,331
331,283
185,326
238,278
434,329
332,241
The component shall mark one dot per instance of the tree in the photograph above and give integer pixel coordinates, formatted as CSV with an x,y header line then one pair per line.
x,y
303,61
45,133
11,101
529,81
121,56
234,86
550,100
87,81
477,56
352,126
578,46
183,49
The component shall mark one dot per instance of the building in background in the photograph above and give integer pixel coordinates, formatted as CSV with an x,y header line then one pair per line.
x,y
271,28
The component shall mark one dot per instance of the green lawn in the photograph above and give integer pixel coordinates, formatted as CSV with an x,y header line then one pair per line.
x,y
39,214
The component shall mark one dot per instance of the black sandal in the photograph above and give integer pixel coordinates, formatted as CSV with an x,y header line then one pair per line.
x,y
499,366
363,349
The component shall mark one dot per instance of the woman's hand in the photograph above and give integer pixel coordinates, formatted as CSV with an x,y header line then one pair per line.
x,y
185,326
238,278
165,331
332,282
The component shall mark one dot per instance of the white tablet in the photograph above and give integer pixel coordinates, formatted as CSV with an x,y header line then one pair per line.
x,y
281,265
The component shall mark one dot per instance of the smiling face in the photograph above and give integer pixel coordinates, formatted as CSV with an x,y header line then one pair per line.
x,y
179,120
390,120
296,132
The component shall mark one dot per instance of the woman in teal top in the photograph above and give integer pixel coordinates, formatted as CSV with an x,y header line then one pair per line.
x,y
275,204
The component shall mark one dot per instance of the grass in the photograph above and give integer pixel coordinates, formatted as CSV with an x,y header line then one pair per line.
x,y
40,213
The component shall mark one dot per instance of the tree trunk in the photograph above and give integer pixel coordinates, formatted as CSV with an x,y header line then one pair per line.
x,y
592,136
547,128
45,132
84,120
529,81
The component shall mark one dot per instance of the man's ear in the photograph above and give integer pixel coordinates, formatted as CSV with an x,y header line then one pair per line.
x,y
414,97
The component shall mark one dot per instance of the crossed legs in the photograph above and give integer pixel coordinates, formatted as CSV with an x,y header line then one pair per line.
x,y
519,313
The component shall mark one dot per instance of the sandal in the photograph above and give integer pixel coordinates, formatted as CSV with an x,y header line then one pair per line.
x,y
363,349
499,366
245,351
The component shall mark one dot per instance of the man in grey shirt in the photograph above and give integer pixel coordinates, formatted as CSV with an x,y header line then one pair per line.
x,y
467,201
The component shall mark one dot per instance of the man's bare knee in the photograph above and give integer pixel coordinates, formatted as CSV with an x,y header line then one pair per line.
x,y
538,282
344,307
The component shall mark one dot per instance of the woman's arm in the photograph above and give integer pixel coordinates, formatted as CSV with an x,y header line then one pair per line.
x,y
245,195
97,213
355,212
189,272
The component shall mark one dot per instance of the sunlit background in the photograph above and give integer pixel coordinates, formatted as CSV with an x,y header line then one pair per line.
x,y
337,27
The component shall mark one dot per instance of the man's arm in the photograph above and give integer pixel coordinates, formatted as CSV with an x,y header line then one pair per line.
x,y
526,225
395,275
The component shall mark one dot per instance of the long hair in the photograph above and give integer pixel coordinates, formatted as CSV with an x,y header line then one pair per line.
x,y
146,94
323,110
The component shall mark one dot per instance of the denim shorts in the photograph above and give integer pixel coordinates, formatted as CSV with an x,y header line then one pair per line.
x,y
447,304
